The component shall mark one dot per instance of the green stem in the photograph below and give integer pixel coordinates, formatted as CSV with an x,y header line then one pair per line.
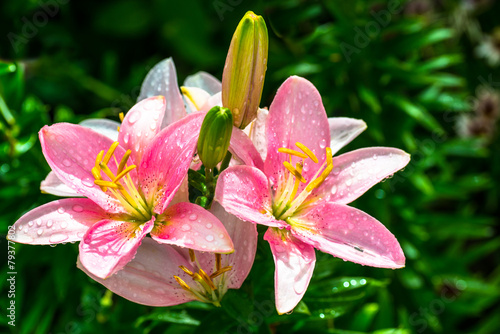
x,y
225,162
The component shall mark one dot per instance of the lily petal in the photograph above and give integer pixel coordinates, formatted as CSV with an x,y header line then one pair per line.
x,y
53,185
195,98
103,126
244,236
349,234
162,80
167,159
148,279
205,81
109,245
244,192
243,149
189,225
141,124
357,171
294,263
296,115
343,130
70,151
64,220
257,132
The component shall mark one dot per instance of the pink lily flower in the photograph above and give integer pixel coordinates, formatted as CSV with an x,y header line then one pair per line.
x,y
164,275
302,192
128,190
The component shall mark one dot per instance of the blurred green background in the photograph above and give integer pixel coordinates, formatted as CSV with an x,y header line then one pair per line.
x,y
425,77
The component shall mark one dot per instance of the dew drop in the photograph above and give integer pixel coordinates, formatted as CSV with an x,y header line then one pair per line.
x,y
57,238
153,126
221,235
88,182
66,163
126,138
30,223
193,217
134,117
64,224
185,227
322,143
209,225
77,208
49,223
375,157
209,237
39,232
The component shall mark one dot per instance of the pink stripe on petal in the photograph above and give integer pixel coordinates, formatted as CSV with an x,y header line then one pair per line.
x,y
71,151
349,234
141,124
109,245
64,220
357,171
166,161
296,115
294,261
148,279
244,192
189,225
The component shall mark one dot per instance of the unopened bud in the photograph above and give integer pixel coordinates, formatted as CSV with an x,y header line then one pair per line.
x,y
245,69
215,135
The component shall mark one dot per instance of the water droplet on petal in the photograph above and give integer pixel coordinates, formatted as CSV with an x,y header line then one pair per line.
x,y
30,223
49,223
88,182
77,208
185,227
126,138
209,237
57,238
209,225
66,163
322,143
193,217
39,232
134,117
64,224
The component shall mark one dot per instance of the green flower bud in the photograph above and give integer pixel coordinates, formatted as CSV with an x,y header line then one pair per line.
x,y
215,135
245,69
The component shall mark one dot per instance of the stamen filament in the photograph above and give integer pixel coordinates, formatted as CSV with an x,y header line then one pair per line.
x,y
110,152
221,271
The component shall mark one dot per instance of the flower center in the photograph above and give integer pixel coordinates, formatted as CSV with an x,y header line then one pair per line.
x,y
286,199
207,288
121,185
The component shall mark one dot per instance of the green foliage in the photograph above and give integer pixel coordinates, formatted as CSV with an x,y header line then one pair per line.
x,y
410,80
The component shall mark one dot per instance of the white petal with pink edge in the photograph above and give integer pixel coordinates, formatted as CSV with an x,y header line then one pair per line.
x,y
244,192
148,279
189,225
109,245
64,220
294,262
349,234
53,185
343,130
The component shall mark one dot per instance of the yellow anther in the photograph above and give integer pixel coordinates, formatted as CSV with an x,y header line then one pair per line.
x,y
218,260
294,172
197,277
221,271
118,128
124,161
192,256
106,170
307,151
109,184
110,152
123,173
182,283
98,160
329,157
292,152
187,271
207,279
96,172
121,116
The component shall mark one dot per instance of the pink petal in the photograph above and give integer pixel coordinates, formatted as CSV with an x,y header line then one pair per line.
x,y
64,220
189,225
53,185
294,262
214,100
243,149
109,245
148,279
343,130
244,236
244,192
205,81
167,159
349,234
103,126
141,124
296,115
357,171
195,98
71,151
162,80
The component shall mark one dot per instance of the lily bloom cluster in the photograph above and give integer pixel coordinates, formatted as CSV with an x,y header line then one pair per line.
x,y
142,238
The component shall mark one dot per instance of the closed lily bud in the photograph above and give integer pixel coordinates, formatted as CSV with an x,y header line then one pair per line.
x,y
245,69
215,135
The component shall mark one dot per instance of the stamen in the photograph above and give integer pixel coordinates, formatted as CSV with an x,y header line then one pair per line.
x,y
98,160
121,116
292,152
294,172
109,184
123,173
187,271
106,170
221,271
218,259
192,256
307,151
182,283
124,161
110,152
207,279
